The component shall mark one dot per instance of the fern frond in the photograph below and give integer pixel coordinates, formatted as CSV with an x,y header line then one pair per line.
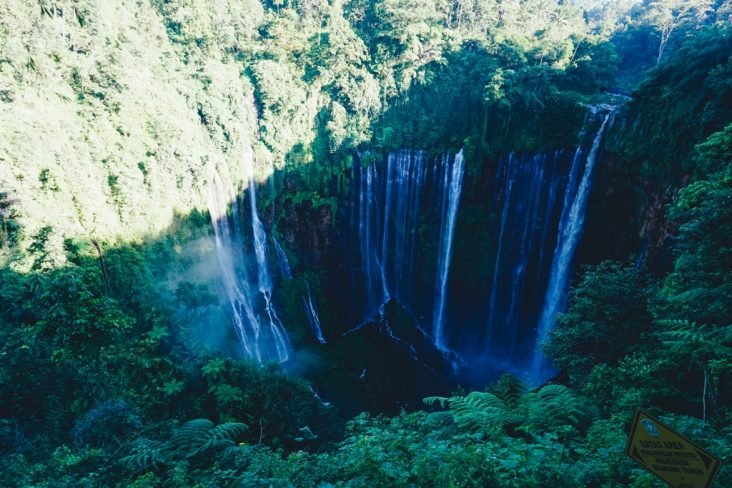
x,y
479,412
197,424
190,436
193,439
209,446
510,389
145,460
432,400
682,334
554,406
479,399
231,431
440,419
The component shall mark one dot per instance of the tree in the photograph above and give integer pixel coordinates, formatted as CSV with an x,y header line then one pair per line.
x,y
723,13
708,346
700,286
669,15
607,320
195,297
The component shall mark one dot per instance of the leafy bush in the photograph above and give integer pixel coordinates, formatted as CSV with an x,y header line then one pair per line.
x,y
608,319
106,425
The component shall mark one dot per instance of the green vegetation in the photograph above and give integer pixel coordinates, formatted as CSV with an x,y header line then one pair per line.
x,y
665,124
98,354
630,341
117,362
94,92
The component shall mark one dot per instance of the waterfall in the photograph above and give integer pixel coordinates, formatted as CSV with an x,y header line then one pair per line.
x,y
527,189
537,215
260,239
452,187
237,290
367,236
263,273
393,200
388,200
404,181
570,231
282,257
259,343
312,314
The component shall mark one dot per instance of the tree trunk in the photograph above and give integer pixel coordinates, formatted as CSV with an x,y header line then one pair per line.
x,y
102,266
704,397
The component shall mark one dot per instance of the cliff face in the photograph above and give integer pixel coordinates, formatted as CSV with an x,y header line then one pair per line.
x,y
628,219
306,227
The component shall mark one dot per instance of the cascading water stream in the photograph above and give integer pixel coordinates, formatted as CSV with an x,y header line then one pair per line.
x,y
540,202
404,182
259,343
312,314
285,268
263,273
374,292
391,207
237,291
570,231
452,187
527,188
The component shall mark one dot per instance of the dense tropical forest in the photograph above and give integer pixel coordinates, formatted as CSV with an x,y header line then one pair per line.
x,y
360,243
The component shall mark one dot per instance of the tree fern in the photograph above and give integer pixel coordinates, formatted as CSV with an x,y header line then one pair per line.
x,y
436,400
709,346
511,408
194,440
510,389
480,412
555,406
681,335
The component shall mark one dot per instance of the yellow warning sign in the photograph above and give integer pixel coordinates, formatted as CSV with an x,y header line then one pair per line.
x,y
670,456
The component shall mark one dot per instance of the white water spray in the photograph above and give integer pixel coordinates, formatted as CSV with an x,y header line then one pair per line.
x,y
312,314
453,182
570,231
